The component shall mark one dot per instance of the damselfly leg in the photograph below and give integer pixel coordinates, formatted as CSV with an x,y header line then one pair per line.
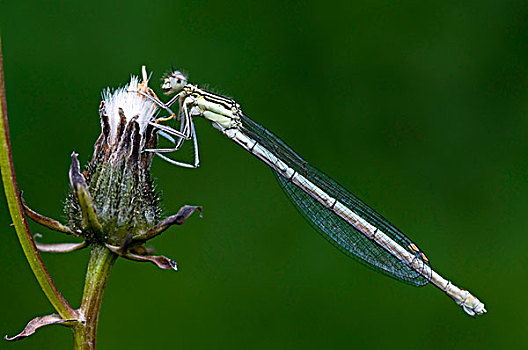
x,y
196,163
186,132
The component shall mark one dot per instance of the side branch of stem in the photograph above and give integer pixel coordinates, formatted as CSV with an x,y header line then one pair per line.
x,y
16,210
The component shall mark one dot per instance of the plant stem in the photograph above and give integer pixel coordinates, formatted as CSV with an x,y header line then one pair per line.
x,y
99,267
17,213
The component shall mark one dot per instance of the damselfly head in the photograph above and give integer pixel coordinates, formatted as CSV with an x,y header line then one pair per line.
x,y
173,82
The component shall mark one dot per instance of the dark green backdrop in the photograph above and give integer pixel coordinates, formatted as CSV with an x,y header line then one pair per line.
x,y
418,108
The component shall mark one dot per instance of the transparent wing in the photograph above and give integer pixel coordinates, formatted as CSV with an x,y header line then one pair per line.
x,y
333,228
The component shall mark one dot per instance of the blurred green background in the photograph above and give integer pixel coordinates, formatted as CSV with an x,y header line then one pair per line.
x,y
418,108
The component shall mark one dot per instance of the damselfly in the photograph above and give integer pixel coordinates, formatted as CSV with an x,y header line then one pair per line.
x,y
343,219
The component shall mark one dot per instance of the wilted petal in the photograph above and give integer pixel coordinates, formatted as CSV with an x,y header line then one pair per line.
x,y
160,261
59,247
45,221
35,324
178,219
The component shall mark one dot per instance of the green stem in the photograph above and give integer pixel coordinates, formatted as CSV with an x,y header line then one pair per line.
x,y
99,267
17,213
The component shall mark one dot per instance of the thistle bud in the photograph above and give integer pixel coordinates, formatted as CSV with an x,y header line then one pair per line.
x,y
118,177
113,202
